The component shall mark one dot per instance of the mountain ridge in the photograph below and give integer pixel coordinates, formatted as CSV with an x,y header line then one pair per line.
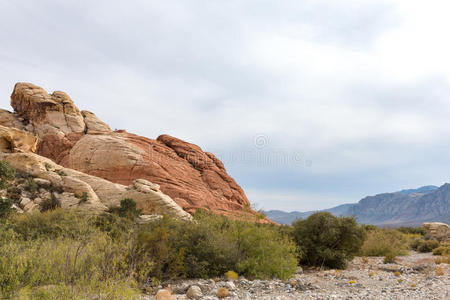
x,y
408,207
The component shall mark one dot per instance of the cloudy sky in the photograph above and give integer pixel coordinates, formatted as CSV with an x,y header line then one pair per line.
x,y
310,104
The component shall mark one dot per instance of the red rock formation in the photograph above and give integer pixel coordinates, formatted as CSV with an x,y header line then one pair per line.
x,y
78,140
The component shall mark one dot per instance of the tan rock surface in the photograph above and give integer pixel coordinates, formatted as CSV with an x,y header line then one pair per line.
x,y
440,231
102,194
15,140
93,124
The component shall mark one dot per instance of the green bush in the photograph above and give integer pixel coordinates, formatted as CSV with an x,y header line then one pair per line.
x,y
414,243
384,242
65,251
127,209
427,246
327,240
6,174
214,245
389,258
31,185
50,204
443,250
51,224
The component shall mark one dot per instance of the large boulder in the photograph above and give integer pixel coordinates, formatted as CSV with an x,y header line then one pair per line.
x,y
79,140
437,230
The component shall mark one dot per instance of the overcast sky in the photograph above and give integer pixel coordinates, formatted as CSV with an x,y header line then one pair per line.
x,y
310,104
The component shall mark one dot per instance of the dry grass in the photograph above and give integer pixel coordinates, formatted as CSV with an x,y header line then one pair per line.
x,y
440,271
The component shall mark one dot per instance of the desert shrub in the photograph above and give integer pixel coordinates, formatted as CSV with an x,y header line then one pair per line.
x,y
443,249
127,209
442,260
389,258
428,246
264,253
62,255
415,242
231,275
6,173
412,230
50,204
113,225
5,207
214,245
51,224
327,240
31,185
13,192
384,242
79,267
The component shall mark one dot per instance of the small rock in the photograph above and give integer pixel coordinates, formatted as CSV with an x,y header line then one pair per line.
x,y
180,288
222,293
18,209
194,292
42,182
24,201
30,207
165,294
230,285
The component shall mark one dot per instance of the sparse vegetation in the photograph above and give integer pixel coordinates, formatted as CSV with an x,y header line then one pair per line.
x,y
428,246
127,209
31,185
389,258
61,173
327,240
6,173
84,198
77,254
5,207
384,242
443,249
50,204
413,230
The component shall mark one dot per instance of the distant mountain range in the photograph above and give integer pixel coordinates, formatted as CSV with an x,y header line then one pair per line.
x,y
409,207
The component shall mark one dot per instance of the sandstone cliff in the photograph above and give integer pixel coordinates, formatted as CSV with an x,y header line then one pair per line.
x,y
79,140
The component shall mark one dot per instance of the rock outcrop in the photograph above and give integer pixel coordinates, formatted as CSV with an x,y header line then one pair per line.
x,y
15,140
437,230
79,140
74,189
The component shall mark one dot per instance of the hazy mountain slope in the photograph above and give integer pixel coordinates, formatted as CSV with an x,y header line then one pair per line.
x,y
423,189
406,207
283,217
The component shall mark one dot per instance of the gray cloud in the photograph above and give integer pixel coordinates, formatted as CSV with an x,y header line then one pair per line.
x,y
358,90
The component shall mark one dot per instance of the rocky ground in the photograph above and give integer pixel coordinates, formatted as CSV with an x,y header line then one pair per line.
x,y
415,276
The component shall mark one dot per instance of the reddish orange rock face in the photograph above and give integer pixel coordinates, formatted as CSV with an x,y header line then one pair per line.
x,y
78,140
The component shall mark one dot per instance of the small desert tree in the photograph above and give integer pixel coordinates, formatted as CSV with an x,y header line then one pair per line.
x,y
127,209
327,240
